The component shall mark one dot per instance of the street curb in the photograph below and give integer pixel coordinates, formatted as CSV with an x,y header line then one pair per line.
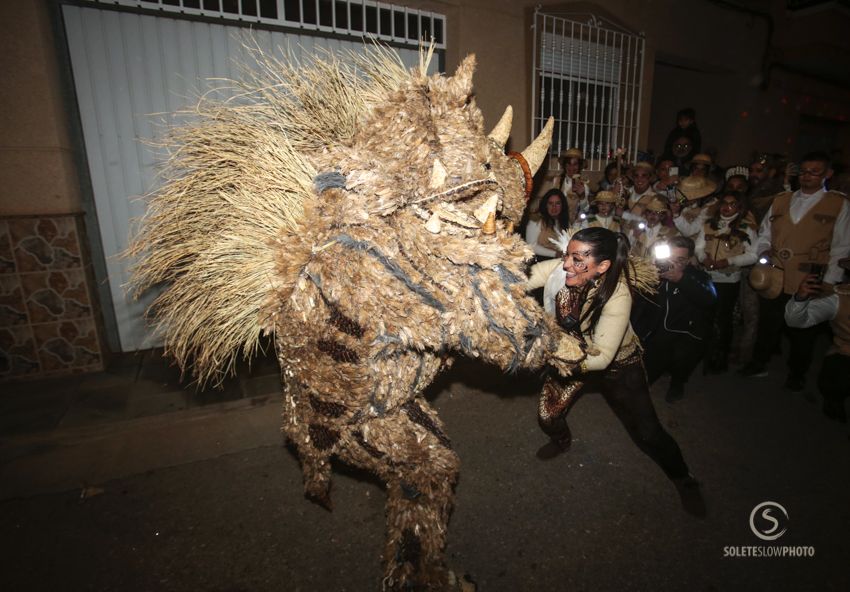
x,y
79,457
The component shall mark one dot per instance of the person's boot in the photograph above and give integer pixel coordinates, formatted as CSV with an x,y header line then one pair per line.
x,y
690,496
675,392
555,446
835,410
753,370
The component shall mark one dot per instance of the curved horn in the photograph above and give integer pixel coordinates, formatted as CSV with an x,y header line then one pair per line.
x,y
536,152
502,130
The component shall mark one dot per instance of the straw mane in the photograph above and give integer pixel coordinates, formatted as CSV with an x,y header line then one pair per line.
x,y
239,175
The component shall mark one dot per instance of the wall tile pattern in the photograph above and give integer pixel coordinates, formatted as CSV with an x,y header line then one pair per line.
x,y
49,318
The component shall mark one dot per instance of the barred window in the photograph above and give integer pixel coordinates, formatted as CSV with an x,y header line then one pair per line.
x,y
587,75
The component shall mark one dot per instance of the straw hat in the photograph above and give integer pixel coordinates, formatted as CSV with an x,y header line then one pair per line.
x,y
701,158
696,187
647,166
656,204
572,153
766,280
606,197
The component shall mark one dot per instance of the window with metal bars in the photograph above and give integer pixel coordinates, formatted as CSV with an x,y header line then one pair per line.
x,y
587,75
386,22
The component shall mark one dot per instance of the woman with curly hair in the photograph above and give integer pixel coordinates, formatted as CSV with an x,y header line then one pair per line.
x,y
554,219
726,243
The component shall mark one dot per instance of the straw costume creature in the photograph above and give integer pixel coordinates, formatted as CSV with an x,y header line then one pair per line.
x,y
359,214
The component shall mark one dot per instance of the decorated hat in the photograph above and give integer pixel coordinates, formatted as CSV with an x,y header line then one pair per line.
x,y
656,204
737,171
606,197
696,187
643,165
766,280
572,153
701,158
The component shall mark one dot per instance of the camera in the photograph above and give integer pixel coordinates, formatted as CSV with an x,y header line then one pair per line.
x,y
661,257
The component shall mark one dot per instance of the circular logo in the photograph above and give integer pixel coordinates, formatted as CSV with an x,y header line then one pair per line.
x,y
785,254
769,521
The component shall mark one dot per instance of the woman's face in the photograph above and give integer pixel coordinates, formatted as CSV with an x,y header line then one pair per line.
x,y
604,208
611,175
729,206
553,206
580,266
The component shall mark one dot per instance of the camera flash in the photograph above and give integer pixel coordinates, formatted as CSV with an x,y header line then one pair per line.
x,y
582,215
662,251
642,225
763,260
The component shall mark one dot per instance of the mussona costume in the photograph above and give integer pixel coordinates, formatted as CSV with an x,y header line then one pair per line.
x,y
613,366
361,215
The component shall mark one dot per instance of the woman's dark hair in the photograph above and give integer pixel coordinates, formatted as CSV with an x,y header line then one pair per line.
x,y
735,225
547,220
605,245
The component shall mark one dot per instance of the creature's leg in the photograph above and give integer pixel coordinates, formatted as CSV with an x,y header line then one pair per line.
x,y
408,449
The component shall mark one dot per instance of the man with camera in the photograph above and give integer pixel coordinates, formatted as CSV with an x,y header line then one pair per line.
x,y
804,232
675,324
815,303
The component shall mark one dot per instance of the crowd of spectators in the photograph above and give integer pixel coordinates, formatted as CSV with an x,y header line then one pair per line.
x,y
747,253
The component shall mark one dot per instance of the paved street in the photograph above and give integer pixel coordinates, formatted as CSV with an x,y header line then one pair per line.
x,y
212,501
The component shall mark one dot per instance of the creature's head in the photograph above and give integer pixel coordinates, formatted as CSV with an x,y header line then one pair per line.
x,y
425,150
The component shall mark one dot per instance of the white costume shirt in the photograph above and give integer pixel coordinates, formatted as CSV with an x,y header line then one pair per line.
x,y
809,313
691,229
635,197
801,203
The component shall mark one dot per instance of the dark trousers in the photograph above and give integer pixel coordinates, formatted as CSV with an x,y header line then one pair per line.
x,y
834,379
727,296
675,353
772,325
627,394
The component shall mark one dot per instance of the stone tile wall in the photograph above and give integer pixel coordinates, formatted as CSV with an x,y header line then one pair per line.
x,y
49,319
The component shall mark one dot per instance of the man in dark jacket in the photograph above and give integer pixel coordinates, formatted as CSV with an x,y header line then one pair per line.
x,y
675,325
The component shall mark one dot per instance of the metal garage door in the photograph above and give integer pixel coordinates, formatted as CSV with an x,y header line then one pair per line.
x,y
127,66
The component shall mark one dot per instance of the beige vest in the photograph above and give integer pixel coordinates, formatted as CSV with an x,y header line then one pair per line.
x,y
545,234
841,323
808,241
596,222
642,245
722,245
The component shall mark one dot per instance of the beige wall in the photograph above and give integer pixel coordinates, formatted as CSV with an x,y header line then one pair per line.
x,y
37,171
717,53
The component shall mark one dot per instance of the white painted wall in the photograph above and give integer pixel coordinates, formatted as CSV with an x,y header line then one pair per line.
x,y
131,72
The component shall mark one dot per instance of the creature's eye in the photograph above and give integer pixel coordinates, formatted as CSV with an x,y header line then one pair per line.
x,y
487,166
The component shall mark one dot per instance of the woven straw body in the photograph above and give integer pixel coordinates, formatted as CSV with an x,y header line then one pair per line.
x,y
302,212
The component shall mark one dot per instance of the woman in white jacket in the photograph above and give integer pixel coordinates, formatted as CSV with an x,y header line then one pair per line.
x,y
725,244
594,304
554,219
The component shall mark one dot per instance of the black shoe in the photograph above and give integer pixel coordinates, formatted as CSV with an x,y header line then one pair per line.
x,y
753,370
554,447
795,384
691,496
675,392
835,410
